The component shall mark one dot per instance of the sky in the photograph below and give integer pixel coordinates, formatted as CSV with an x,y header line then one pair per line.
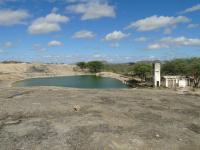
x,y
117,31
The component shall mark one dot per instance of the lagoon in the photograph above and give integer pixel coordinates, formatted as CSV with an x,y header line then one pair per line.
x,y
83,81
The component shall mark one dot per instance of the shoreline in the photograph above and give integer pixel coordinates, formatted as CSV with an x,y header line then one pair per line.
x,y
112,75
7,80
117,77
11,73
10,83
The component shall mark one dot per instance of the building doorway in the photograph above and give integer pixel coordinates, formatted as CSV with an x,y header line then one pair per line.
x,y
158,83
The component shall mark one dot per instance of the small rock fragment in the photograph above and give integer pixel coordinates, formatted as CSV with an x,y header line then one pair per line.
x,y
12,122
157,135
180,139
77,108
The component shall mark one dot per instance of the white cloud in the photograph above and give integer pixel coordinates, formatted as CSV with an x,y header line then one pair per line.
x,y
54,10
97,56
114,45
157,22
84,34
50,23
157,46
115,36
8,44
75,1
42,49
191,9
92,10
55,43
190,26
12,17
181,41
141,39
38,47
168,31
174,42
4,1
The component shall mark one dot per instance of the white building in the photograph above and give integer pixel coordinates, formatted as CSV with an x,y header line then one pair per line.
x,y
156,74
176,81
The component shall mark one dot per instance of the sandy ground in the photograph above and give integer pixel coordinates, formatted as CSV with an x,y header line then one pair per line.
x,y
43,118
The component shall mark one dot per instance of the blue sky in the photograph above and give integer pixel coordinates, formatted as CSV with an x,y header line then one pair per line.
x,y
68,31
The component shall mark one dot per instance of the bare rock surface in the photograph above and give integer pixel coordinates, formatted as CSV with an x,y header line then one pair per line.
x,y
43,118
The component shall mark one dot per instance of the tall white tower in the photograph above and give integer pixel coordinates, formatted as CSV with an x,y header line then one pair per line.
x,y
156,74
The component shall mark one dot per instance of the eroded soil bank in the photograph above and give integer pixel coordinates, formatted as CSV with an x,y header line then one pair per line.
x,y
10,73
141,119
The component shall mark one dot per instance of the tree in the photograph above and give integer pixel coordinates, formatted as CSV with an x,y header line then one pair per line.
x,y
193,69
82,65
142,70
175,67
95,66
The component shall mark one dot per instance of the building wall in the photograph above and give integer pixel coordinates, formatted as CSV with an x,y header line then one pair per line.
x,y
183,83
172,82
157,75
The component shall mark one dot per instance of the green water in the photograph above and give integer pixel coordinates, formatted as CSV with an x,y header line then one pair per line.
x,y
86,81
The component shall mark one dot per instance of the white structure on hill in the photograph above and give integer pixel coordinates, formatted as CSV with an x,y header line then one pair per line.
x,y
176,81
156,74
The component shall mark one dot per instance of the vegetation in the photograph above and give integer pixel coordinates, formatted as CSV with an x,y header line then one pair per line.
x,y
11,62
119,68
194,71
82,65
142,70
93,66
175,67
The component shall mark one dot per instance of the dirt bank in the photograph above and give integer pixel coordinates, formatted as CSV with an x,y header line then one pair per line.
x,y
10,73
113,75
45,119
